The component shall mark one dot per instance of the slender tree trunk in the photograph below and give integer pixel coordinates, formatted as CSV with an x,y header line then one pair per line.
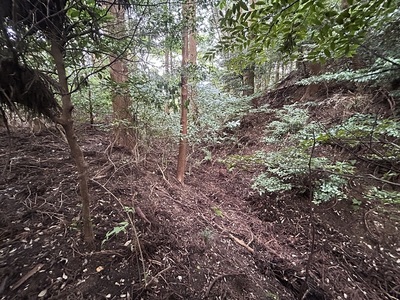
x,y
268,76
192,59
277,74
67,122
124,133
166,61
167,103
248,80
91,114
183,144
248,72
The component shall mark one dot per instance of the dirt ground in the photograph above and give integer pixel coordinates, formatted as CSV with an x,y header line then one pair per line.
x,y
212,238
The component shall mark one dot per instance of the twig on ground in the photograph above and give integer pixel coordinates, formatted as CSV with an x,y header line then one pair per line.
x,y
236,240
132,223
367,226
241,243
157,275
141,214
163,175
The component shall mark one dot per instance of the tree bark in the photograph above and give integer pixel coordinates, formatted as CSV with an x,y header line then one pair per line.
x,y
183,144
66,121
312,89
124,120
248,72
192,60
248,80
277,74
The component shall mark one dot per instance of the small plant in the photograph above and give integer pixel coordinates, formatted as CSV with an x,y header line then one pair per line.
x,y
375,194
207,235
330,188
244,162
117,229
218,212
289,170
207,155
356,203
265,183
295,168
291,120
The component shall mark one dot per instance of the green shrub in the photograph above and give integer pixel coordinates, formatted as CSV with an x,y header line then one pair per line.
x,y
379,137
376,194
291,120
289,169
244,162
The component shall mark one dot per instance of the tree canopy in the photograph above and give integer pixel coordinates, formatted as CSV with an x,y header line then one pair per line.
x,y
313,30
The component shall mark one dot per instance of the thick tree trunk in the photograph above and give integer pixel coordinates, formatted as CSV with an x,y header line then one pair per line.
x,y
67,122
312,89
124,120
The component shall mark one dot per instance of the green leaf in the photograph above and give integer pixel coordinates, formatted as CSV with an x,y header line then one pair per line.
x,y
73,13
243,5
327,53
330,14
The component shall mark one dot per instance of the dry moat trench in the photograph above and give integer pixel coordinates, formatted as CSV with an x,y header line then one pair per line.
x,y
212,238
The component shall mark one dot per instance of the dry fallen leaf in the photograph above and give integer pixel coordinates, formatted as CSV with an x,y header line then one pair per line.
x,y
99,268
42,293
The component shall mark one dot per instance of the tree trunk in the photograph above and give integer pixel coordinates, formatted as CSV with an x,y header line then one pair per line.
x,y
192,59
167,50
183,144
67,122
248,81
91,112
124,120
312,89
248,72
277,74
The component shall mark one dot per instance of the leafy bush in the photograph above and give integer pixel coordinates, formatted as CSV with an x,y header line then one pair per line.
x,y
289,169
291,120
383,195
215,112
296,168
379,136
244,162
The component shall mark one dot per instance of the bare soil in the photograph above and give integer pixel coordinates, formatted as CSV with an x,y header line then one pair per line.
x,y
212,238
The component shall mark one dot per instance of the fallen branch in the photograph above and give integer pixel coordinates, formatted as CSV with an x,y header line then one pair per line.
x,y
241,243
238,241
27,276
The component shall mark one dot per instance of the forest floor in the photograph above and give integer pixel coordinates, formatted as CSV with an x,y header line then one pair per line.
x,y
211,238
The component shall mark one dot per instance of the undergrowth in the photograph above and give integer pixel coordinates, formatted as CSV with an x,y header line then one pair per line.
x,y
302,162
